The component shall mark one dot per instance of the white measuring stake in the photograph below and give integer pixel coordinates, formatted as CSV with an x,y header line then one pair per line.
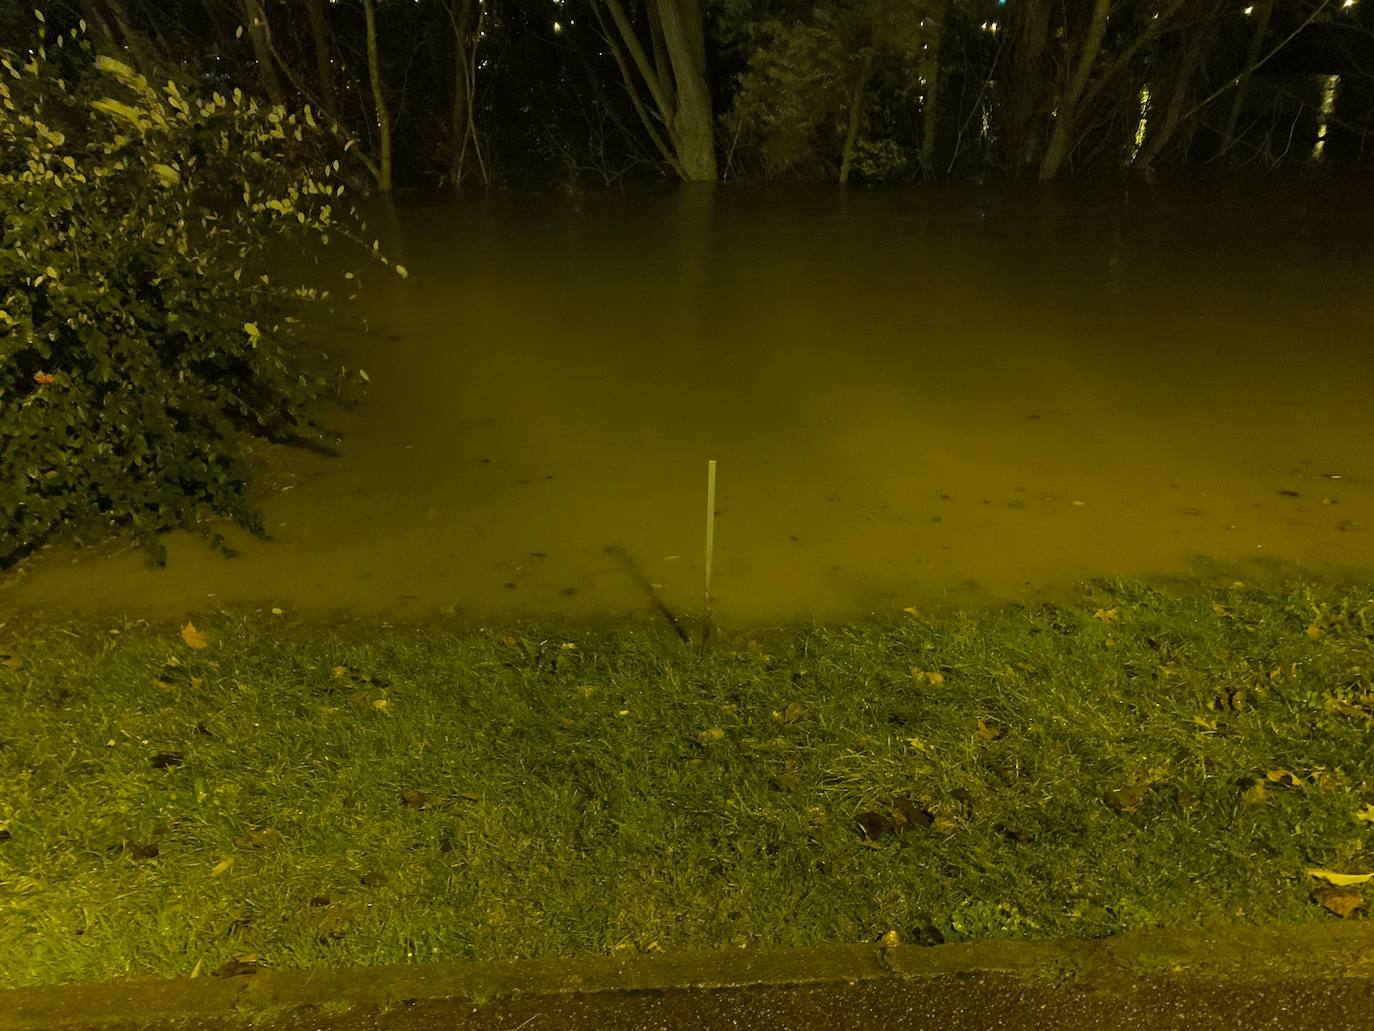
x,y
710,541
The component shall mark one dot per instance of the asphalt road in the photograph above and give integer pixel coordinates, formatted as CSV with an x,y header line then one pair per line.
x,y
982,1002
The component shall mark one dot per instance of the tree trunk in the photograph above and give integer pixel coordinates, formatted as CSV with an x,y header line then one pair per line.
x,y
458,105
1183,81
115,24
259,34
856,114
97,26
465,19
1065,123
1022,92
1228,132
324,54
374,74
692,127
930,108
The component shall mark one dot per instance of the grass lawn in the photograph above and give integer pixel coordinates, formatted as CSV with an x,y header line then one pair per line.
x,y
285,794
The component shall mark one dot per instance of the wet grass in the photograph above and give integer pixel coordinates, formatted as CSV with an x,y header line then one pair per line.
x,y
295,796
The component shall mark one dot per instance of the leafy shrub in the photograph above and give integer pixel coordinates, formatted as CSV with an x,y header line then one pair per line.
x,y
142,344
816,77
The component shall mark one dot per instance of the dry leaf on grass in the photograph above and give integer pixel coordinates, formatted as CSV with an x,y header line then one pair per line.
x,y
1285,778
1344,902
1341,880
193,637
988,731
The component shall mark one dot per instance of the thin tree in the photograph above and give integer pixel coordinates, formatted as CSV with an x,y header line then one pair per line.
x,y
671,70
374,74
260,35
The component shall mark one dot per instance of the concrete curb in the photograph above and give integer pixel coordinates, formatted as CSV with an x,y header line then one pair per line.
x,y
1319,951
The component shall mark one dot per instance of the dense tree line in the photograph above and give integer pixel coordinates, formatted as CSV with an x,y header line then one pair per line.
x,y
446,92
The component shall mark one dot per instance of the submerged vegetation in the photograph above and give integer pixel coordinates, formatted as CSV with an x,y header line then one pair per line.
x,y
142,342
250,790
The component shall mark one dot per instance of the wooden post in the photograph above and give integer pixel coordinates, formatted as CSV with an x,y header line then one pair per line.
x,y
710,545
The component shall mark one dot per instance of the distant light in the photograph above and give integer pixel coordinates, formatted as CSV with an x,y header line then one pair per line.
x,y
557,26
1348,3
1248,11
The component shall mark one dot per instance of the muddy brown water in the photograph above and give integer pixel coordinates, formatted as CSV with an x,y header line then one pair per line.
x,y
914,396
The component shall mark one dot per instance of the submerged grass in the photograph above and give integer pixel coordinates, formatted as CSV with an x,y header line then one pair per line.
x,y
308,797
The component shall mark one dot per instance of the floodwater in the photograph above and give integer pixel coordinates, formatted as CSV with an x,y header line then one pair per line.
x,y
919,397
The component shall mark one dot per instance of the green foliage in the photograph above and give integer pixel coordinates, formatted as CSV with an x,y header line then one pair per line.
x,y
141,343
812,71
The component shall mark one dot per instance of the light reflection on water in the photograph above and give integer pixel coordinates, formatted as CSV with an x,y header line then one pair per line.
x,y
914,397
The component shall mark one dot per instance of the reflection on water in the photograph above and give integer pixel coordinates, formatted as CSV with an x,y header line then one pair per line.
x,y
912,395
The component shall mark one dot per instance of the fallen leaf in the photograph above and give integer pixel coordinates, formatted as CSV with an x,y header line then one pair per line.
x,y
890,939
1107,615
222,867
873,825
12,662
1286,778
710,734
1341,901
414,799
1341,880
988,731
1314,631
1127,800
383,705
791,713
912,610
193,637
943,825
906,813
277,612
928,676
1366,814
335,921
340,672
567,646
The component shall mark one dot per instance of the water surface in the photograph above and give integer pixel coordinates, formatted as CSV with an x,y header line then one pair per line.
x,y
914,396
